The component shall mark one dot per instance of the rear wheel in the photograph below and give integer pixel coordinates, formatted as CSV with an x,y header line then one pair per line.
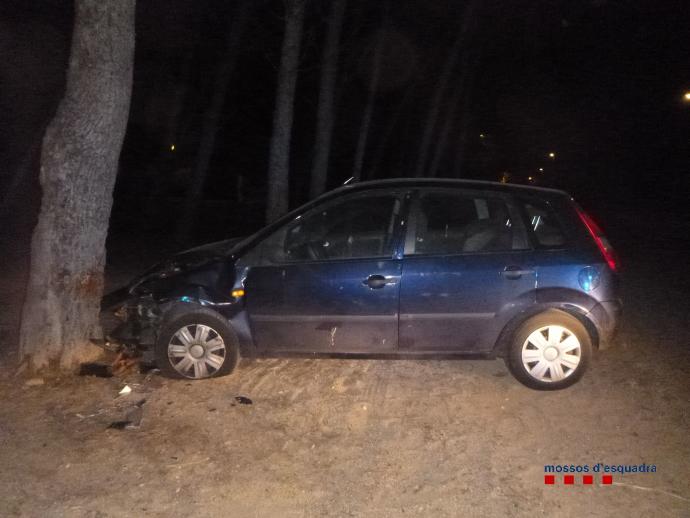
x,y
550,351
196,345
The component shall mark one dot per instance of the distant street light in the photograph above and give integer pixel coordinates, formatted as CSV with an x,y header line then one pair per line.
x,y
686,97
552,155
541,169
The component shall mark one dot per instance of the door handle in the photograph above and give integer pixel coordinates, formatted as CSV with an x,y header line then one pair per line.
x,y
515,272
377,281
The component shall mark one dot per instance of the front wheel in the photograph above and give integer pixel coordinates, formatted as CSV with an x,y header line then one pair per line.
x,y
550,351
196,345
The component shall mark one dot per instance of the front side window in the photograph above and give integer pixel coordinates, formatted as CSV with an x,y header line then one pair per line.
x,y
452,223
357,227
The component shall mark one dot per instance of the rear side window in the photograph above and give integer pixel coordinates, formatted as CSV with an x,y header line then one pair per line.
x,y
544,225
451,223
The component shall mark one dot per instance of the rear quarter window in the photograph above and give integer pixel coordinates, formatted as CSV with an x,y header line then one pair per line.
x,y
544,224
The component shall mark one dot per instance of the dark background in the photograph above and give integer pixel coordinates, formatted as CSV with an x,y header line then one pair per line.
x,y
600,83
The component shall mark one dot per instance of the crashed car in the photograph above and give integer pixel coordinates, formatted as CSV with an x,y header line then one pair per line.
x,y
392,268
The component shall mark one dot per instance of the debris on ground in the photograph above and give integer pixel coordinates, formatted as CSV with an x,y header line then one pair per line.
x,y
34,382
86,416
125,363
126,390
132,419
100,370
242,400
148,368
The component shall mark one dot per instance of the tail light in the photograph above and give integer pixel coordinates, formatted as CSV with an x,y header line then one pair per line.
x,y
600,239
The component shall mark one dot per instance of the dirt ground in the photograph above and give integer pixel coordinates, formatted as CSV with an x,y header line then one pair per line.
x,y
378,438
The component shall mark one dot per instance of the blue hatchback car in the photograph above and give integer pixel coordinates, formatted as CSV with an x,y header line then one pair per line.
x,y
393,268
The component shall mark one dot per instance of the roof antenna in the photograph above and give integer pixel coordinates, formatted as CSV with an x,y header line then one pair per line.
x,y
348,180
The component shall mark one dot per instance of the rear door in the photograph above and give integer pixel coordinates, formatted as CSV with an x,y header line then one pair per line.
x,y
329,280
467,270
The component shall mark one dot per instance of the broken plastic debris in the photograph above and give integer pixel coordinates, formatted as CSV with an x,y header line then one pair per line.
x,y
242,400
34,382
86,416
132,419
125,390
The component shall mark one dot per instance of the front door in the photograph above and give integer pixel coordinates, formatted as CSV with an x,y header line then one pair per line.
x,y
329,280
467,269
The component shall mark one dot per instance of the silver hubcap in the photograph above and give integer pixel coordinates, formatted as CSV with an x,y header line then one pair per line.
x,y
551,353
196,351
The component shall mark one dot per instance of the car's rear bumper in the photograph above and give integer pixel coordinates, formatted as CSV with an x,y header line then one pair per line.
x,y
606,318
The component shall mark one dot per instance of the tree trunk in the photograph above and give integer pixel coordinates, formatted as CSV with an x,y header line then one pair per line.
x,y
212,115
462,93
465,122
79,160
325,115
279,154
442,140
441,87
368,111
388,132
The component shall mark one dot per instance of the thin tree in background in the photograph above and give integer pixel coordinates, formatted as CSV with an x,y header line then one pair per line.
x,y
79,160
364,127
444,134
466,115
392,125
325,110
440,90
461,97
279,154
212,116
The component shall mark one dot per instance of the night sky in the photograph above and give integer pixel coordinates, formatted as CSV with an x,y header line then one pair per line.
x,y
599,83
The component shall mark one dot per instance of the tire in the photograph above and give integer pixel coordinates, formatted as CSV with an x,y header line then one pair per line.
x,y
549,351
199,344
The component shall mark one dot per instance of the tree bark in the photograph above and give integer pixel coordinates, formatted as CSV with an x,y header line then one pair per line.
x,y
79,160
439,93
325,110
279,154
211,121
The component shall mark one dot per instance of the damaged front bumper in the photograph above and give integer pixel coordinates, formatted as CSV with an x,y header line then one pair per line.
x,y
131,317
130,322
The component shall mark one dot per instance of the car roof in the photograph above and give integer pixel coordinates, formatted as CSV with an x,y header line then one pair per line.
x,y
449,182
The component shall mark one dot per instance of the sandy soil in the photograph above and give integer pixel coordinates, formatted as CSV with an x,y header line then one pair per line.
x,y
363,437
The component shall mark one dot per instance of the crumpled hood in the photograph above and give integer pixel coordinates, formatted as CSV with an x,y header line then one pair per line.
x,y
189,260
216,250
177,264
